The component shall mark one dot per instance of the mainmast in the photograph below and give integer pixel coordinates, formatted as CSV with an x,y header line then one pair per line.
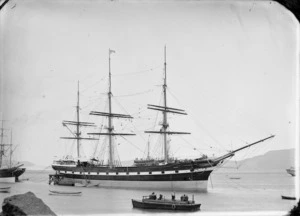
x,y
164,109
110,129
78,124
165,122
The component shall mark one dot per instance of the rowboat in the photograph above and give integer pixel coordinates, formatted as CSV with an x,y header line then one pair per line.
x,y
150,202
64,193
288,197
5,189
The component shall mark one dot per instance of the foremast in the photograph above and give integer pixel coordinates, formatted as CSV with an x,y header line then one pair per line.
x,y
2,145
78,124
110,128
165,109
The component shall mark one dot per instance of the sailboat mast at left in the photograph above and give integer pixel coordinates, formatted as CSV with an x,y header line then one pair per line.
x,y
77,134
8,172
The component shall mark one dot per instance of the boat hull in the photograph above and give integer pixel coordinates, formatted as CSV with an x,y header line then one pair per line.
x,y
11,174
187,180
5,190
165,206
288,197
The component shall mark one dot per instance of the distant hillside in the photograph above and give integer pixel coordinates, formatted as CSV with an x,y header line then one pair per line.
x,y
31,166
26,163
272,161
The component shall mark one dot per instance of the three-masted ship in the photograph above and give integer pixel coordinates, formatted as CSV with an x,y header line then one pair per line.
x,y
164,174
8,172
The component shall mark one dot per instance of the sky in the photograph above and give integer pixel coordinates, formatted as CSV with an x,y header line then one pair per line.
x,y
232,65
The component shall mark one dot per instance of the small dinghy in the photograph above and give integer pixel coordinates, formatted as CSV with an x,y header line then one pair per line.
x,y
66,193
5,189
152,202
288,197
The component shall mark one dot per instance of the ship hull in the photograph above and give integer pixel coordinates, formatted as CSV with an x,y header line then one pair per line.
x,y
171,180
165,205
11,174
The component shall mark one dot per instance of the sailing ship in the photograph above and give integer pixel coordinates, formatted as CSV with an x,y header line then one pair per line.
x,y
164,174
8,173
161,203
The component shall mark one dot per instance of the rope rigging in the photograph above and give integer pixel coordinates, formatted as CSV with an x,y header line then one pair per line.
x,y
197,123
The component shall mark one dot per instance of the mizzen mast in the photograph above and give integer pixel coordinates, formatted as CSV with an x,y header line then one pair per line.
x,y
165,109
78,124
110,129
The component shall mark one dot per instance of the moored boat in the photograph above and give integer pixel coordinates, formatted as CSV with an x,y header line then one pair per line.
x,y
152,202
4,189
235,178
71,193
288,197
9,172
291,171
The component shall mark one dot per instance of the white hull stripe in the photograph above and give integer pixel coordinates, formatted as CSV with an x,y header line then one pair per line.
x,y
135,173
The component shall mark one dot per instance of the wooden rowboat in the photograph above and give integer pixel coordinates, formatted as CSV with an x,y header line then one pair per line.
x,y
65,193
5,189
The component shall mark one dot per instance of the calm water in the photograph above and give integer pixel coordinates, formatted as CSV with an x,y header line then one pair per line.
x,y
252,192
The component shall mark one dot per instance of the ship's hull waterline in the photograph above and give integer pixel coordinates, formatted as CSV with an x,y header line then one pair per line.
x,y
180,180
192,186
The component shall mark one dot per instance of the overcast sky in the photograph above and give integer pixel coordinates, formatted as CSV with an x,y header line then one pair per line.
x,y
231,65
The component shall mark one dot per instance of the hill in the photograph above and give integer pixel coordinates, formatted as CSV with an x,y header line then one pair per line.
x,y
272,161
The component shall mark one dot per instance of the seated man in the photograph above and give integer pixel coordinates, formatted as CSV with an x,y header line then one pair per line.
x,y
152,196
160,197
173,196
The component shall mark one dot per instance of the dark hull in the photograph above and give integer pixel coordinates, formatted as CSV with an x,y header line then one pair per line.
x,y
174,206
11,172
191,176
188,176
288,198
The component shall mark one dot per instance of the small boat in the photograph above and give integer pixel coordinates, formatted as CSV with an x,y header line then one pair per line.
x,y
5,189
64,193
291,171
152,202
9,172
235,177
288,197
